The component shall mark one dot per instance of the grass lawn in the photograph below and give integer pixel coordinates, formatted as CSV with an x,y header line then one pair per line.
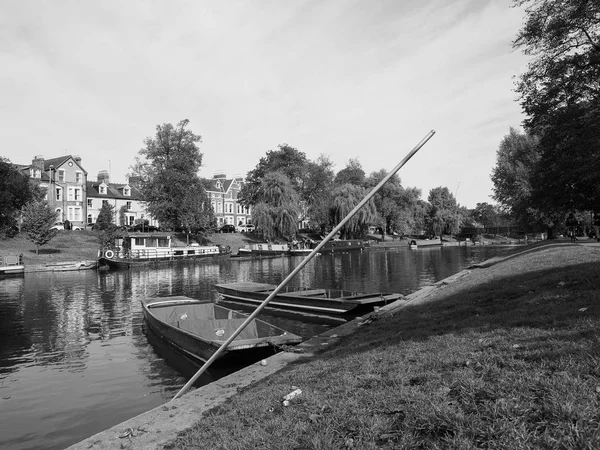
x,y
508,357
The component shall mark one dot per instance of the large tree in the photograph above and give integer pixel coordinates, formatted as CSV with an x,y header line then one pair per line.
x,y
15,192
560,94
198,214
443,213
168,166
38,219
345,198
288,160
353,173
277,207
317,191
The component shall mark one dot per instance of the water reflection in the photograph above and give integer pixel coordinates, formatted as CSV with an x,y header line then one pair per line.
x,y
74,359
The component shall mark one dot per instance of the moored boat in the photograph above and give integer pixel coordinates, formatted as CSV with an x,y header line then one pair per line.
x,y
342,245
314,301
199,328
138,249
12,265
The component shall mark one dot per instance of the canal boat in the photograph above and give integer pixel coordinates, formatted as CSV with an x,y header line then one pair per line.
x,y
198,329
137,249
339,245
11,265
314,301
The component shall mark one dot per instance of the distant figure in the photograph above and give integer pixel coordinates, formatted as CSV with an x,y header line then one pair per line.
x,y
67,224
125,247
597,225
572,226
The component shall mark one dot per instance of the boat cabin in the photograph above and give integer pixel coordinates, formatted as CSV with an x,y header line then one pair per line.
x,y
156,246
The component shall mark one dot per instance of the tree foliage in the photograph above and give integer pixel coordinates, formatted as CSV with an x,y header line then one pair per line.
x,y
443,213
105,220
353,173
168,166
15,192
560,94
317,191
287,160
345,198
38,219
277,210
197,214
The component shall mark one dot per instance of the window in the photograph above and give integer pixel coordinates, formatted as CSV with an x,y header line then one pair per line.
x,y
90,203
162,242
78,177
74,213
59,215
131,220
104,202
61,176
128,206
59,194
139,241
90,219
102,188
74,194
127,191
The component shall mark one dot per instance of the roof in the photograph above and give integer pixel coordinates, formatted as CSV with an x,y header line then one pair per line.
x,y
113,190
56,162
225,184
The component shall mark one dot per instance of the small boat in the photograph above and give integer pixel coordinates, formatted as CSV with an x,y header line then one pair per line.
x,y
198,328
12,265
71,266
138,249
263,250
413,244
314,301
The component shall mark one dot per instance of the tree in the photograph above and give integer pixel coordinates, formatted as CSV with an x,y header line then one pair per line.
x,y
388,200
518,160
277,210
443,215
167,167
345,199
15,192
38,219
560,94
353,173
105,218
105,224
317,191
287,160
198,214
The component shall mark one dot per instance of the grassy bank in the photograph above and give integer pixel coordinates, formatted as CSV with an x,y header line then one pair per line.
x,y
508,357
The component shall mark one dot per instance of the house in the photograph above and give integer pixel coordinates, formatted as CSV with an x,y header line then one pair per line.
x,y
223,195
64,180
124,198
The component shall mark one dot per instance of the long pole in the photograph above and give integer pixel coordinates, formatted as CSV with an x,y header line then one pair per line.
x,y
305,261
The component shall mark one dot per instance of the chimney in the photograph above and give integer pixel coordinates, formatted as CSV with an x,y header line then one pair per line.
x,y
38,163
52,173
103,177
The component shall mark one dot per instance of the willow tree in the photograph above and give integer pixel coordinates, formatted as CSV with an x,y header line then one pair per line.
x,y
345,198
277,210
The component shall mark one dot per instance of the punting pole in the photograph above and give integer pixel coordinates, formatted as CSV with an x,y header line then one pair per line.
x,y
302,264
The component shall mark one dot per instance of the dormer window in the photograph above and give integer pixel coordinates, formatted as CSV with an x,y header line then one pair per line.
x,y
127,191
218,184
102,189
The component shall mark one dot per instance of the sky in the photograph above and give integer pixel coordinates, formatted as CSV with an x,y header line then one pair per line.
x,y
348,79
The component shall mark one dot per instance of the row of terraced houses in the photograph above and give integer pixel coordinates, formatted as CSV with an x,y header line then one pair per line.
x,y
74,197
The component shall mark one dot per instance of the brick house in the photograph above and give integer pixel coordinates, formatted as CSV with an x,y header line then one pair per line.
x,y
64,180
223,196
125,199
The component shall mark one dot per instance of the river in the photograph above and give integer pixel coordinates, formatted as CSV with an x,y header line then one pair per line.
x,y
74,358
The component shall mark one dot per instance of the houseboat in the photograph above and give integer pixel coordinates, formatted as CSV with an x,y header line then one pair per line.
x,y
145,248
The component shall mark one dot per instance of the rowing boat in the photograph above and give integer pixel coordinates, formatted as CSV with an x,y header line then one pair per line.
x,y
198,328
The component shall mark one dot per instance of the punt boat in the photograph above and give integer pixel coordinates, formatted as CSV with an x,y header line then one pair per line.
x,y
198,328
315,301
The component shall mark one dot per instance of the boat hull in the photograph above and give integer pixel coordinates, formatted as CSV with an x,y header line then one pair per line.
x,y
314,301
127,263
199,336
343,246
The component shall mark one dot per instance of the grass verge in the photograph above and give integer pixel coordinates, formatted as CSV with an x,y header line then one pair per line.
x,y
509,357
